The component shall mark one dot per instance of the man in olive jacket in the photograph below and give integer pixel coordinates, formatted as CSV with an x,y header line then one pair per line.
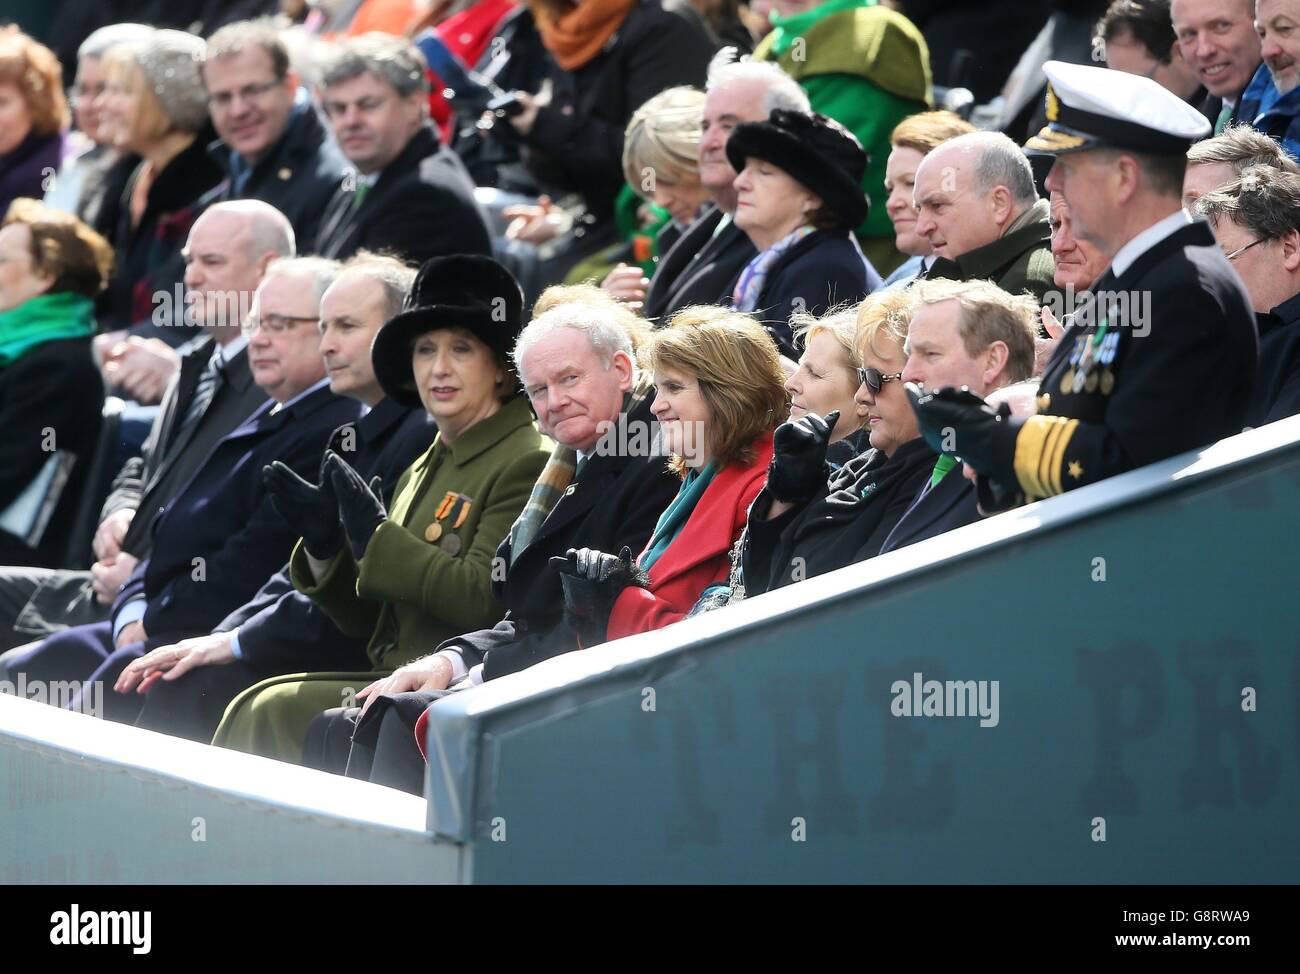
x,y
977,205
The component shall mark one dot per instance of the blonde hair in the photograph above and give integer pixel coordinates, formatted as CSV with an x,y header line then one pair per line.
x,y
738,368
663,140
151,120
886,314
840,323
926,131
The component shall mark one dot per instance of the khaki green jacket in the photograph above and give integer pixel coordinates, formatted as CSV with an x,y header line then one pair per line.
x,y
409,594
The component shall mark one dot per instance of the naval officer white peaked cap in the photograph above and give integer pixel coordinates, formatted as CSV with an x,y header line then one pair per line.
x,y
1092,108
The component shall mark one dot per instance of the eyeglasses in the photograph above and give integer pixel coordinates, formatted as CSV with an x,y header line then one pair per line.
x,y
1241,250
273,324
223,99
875,380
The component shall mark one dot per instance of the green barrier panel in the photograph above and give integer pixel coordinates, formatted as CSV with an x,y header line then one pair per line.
x,y
1140,636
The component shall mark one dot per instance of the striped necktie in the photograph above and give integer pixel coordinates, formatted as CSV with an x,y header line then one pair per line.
x,y
204,392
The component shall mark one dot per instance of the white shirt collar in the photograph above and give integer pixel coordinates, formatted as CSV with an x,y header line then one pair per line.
x,y
302,395
928,261
1144,241
233,348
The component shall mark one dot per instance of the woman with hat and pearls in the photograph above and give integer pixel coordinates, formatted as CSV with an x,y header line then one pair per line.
x,y
417,574
799,196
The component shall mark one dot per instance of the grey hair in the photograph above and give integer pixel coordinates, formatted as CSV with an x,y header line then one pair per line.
x,y
1241,147
269,230
322,271
395,277
243,35
606,336
779,89
99,41
391,59
1263,200
999,162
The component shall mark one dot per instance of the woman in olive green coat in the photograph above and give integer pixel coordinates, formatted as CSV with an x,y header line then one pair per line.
x,y
422,572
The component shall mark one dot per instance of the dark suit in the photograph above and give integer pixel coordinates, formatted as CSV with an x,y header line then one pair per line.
x,y
216,541
1017,262
299,176
822,270
700,268
421,206
280,629
1277,392
949,504
613,501
34,604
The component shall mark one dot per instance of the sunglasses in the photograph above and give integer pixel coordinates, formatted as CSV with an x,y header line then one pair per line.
x,y
875,380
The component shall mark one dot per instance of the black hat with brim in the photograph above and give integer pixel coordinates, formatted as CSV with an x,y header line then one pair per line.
x,y
818,152
466,291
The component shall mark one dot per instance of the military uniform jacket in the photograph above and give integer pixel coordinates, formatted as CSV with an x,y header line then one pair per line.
x,y
1157,361
416,584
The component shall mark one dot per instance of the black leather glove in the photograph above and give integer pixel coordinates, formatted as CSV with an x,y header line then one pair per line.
x,y
310,510
359,506
592,581
798,469
960,423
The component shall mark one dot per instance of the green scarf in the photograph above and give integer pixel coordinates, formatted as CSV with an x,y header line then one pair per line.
x,y
44,318
676,514
941,468
786,29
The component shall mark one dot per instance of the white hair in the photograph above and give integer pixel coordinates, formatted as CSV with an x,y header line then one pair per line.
x,y
322,271
780,90
998,162
606,337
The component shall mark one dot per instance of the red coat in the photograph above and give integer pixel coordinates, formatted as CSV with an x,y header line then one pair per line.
x,y
697,558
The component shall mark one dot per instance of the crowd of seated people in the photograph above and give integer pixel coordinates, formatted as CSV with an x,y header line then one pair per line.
x,y
331,390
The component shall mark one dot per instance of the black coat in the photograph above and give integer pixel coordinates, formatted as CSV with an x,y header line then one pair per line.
x,y
615,501
699,268
299,176
56,387
1277,390
146,483
280,629
421,206
148,255
1183,370
846,524
950,504
576,142
223,516
824,269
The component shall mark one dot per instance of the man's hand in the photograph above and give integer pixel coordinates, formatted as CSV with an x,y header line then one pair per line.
x,y
172,662
959,423
108,575
1044,347
798,467
535,224
430,673
132,632
111,532
627,284
141,367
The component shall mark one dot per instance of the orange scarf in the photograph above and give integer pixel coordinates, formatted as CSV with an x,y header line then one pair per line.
x,y
575,37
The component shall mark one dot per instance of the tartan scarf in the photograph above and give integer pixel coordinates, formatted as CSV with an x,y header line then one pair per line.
x,y
558,474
